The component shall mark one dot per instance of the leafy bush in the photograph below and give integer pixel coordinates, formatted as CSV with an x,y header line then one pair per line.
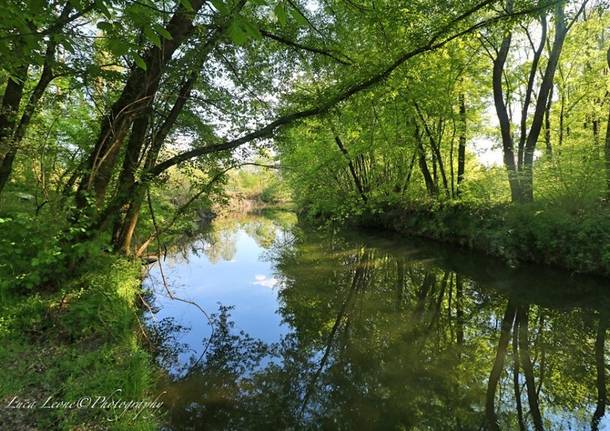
x,y
577,239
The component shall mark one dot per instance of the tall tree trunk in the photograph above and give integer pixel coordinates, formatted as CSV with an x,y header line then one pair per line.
x,y
352,169
607,146
130,163
46,76
595,127
528,92
407,179
137,96
504,120
561,29
547,126
9,110
124,228
461,145
423,164
6,166
434,169
562,104
436,153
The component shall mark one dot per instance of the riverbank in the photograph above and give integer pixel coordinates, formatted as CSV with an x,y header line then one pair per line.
x,y
75,344
577,239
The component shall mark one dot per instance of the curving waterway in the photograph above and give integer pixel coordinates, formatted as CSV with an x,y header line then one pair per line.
x,y
312,329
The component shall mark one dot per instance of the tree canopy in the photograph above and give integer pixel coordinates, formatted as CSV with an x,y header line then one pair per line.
x,y
365,105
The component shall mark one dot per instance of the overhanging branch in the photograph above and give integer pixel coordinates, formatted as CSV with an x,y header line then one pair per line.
x,y
297,45
436,41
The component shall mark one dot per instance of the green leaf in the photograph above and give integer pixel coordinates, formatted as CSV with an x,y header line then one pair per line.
x,y
220,6
237,34
99,5
187,5
152,37
299,17
250,29
139,61
105,26
280,13
163,32
118,47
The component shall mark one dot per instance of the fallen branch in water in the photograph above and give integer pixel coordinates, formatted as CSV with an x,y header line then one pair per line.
x,y
169,292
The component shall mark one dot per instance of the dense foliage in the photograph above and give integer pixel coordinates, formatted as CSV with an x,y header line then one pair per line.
x,y
123,124
368,105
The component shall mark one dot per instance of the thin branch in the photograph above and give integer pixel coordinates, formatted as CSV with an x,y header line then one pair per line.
x,y
169,292
60,23
286,41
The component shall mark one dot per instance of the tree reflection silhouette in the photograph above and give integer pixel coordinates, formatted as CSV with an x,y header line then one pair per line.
x,y
393,337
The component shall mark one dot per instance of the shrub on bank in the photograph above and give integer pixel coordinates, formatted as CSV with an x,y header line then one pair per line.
x,y
577,239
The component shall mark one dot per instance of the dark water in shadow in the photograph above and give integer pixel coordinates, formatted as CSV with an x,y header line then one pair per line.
x,y
363,331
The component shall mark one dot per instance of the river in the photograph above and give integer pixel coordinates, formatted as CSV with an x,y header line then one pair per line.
x,y
311,329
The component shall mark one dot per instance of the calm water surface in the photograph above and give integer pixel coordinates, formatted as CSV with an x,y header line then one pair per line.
x,y
320,330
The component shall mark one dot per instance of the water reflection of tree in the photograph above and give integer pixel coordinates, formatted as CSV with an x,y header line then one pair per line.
x,y
390,340
218,241
555,368
384,339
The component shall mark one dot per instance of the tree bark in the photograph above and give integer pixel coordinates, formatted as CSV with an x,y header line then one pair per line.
x,y
46,76
136,97
13,93
528,92
130,163
504,120
561,29
461,145
352,170
124,228
436,153
423,165
547,126
607,146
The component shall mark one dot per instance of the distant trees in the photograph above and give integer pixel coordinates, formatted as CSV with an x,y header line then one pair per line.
x,y
132,130
520,168
530,106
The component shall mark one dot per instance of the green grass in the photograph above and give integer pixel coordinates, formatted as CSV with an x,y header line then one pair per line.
x,y
80,340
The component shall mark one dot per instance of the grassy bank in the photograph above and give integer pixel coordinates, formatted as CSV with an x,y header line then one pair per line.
x,y
576,238
79,340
